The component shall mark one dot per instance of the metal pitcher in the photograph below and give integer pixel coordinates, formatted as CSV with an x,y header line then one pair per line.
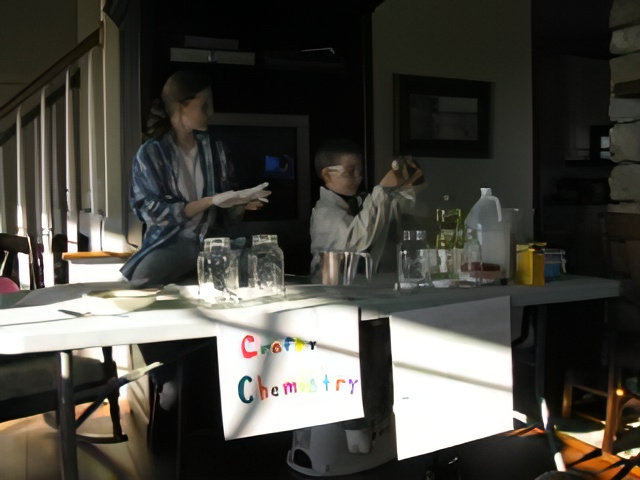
x,y
341,268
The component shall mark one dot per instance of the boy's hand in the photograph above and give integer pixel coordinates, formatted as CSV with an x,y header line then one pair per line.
x,y
404,172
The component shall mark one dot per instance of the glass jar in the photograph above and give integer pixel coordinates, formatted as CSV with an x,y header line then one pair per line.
x,y
217,271
266,267
413,260
471,262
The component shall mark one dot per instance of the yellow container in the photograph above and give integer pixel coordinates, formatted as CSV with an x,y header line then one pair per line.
x,y
529,265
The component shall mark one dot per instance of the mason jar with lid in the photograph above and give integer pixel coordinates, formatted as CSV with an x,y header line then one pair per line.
x,y
413,260
217,271
266,266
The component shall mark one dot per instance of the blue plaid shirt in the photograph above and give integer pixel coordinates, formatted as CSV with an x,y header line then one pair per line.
x,y
156,200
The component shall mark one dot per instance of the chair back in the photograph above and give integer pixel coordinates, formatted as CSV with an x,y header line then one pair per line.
x,y
12,245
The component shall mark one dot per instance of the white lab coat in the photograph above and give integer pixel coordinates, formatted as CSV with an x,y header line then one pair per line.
x,y
334,228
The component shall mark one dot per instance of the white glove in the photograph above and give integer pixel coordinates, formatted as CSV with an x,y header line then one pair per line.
x,y
241,197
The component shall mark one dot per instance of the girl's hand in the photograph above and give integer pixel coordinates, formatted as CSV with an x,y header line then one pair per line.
x,y
241,197
254,205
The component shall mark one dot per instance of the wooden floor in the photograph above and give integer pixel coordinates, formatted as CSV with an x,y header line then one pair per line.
x,y
29,451
599,467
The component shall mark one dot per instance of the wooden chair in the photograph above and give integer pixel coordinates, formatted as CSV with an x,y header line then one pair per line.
x,y
10,247
622,247
622,333
29,380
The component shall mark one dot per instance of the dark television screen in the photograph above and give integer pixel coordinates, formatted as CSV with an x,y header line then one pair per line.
x,y
271,148
268,148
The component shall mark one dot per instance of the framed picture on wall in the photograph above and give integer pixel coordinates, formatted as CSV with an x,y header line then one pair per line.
x,y
441,117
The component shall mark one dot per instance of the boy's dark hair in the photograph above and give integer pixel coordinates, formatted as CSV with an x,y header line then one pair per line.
x,y
329,151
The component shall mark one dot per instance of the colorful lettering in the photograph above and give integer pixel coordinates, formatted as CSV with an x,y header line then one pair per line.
x,y
264,392
287,343
249,349
290,387
309,386
352,382
241,383
246,353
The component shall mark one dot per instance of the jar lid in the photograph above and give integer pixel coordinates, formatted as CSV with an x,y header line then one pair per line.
x,y
264,238
216,242
414,235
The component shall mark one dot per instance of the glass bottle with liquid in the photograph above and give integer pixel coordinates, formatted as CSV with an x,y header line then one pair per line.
x,y
448,227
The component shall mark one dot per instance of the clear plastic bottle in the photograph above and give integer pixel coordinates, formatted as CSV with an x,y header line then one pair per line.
x,y
266,267
413,260
485,217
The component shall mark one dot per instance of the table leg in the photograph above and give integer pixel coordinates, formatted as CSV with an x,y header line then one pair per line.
x,y
181,434
542,340
66,416
541,355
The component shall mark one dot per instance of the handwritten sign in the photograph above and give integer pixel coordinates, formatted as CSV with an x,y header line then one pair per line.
x,y
288,369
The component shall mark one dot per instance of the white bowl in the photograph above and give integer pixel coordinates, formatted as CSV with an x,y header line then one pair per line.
x,y
126,300
445,283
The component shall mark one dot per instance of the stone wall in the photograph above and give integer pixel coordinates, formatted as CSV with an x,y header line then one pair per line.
x,y
624,107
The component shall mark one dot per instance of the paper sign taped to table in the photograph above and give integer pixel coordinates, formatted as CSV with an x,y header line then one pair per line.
x,y
289,369
452,374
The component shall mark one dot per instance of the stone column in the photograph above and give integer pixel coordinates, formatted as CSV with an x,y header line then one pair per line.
x,y
624,106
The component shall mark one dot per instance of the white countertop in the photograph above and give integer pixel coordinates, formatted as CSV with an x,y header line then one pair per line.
x,y
34,322
171,317
380,301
